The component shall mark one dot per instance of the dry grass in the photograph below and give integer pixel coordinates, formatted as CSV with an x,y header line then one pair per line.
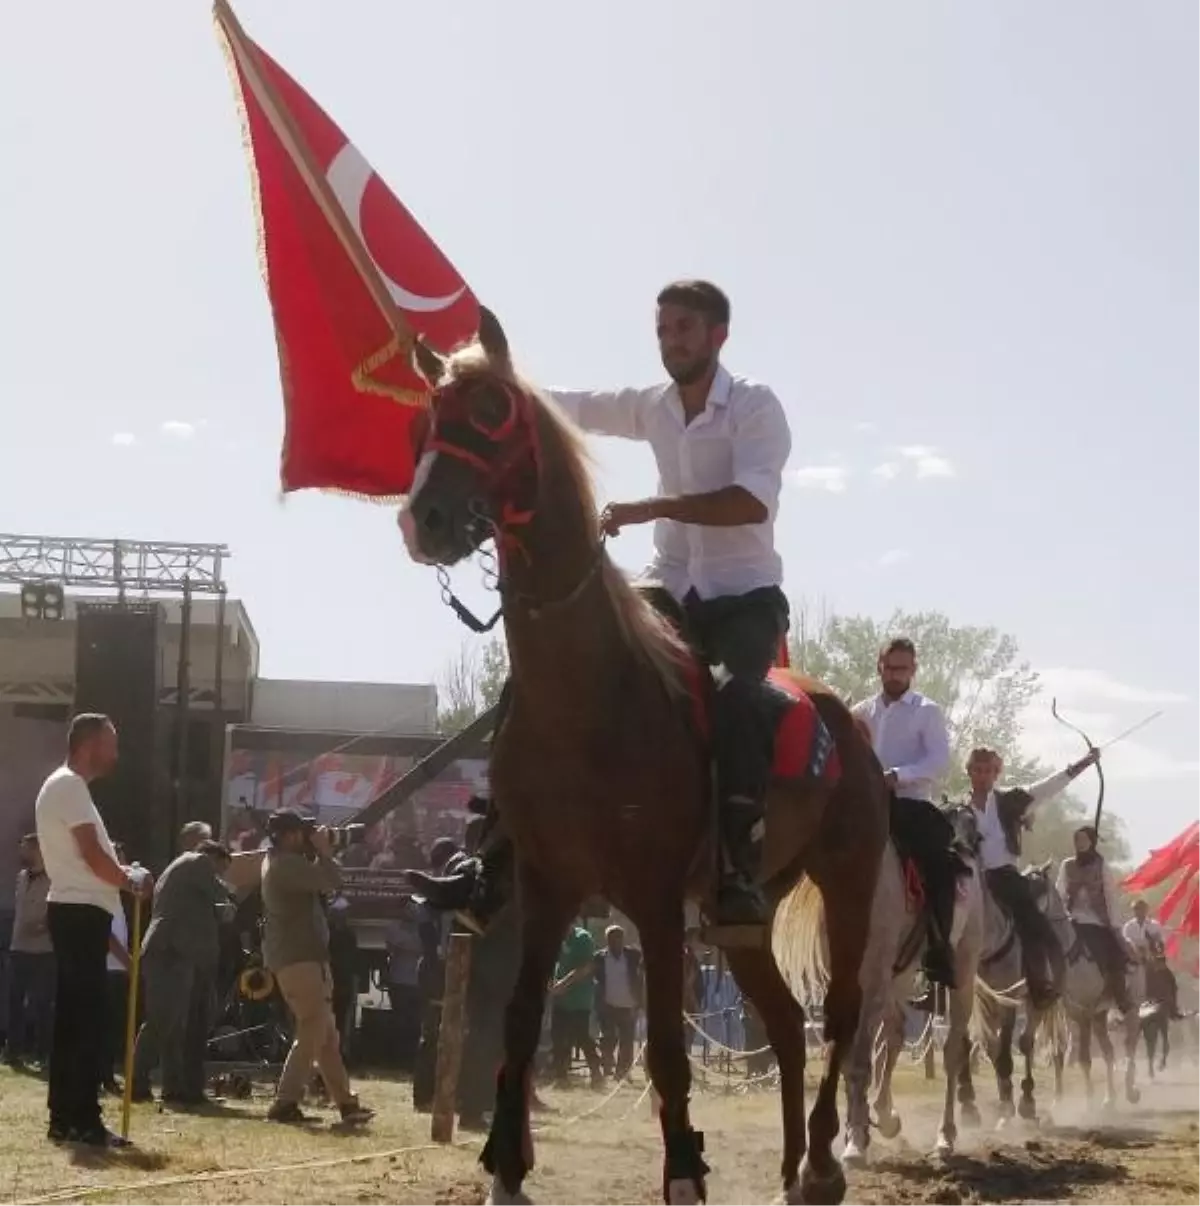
x,y
610,1155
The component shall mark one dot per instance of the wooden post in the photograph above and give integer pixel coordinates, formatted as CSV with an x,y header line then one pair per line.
x,y
450,1037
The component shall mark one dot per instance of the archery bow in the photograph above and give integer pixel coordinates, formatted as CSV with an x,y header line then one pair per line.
x,y
1091,747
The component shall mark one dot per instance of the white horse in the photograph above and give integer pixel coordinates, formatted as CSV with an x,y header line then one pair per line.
x,y
894,948
1088,1001
1003,996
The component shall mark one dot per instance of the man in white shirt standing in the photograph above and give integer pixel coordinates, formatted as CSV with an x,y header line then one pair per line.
x,y
1002,816
720,443
1086,885
908,733
86,882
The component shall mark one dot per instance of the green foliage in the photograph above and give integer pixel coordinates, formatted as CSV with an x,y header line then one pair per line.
x,y
983,686
471,683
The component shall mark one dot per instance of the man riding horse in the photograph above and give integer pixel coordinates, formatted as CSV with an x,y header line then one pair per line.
x,y
1002,814
720,443
1086,885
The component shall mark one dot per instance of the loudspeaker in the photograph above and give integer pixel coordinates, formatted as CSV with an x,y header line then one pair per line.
x,y
117,672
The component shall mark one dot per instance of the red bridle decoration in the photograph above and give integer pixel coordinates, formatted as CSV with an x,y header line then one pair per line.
x,y
497,452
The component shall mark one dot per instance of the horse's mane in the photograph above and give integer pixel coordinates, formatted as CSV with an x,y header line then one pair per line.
x,y
647,634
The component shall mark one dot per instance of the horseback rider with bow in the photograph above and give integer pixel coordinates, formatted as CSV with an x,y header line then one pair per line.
x,y
1002,814
908,733
1086,884
720,443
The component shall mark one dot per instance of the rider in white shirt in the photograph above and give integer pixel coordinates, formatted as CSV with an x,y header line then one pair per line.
x,y
1143,933
1001,815
908,734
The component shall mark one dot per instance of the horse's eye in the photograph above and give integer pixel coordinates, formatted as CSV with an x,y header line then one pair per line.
x,y
490,409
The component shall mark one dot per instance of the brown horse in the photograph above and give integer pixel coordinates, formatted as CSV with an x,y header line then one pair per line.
x,y
602,776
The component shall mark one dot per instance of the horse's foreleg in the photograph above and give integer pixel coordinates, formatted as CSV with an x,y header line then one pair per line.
x,y
759,978
892,1034
1002,1061
684,1168
1099,1026
956,1053
966,1084
1027,1106
1131,1026
848,890
508,1153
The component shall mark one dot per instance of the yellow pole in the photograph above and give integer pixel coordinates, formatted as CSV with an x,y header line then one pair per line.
x,y
131,1000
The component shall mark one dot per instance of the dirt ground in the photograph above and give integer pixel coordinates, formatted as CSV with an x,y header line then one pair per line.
x,y
601,1149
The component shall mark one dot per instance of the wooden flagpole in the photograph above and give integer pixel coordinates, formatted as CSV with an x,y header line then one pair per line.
x,y
245,54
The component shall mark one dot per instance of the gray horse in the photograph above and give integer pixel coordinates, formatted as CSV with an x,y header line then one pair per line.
x,y
895,945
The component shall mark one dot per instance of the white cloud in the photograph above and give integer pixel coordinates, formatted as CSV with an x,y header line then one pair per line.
x,y
821,477
124,439
886,472
865,427
894,557
1087,686
176,429
927,461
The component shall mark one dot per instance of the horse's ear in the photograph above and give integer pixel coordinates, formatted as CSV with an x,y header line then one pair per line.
x,y
493,339
428,363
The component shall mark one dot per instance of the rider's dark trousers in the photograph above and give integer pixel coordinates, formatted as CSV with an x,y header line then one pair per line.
x,y
922,832
1011,889
1102,943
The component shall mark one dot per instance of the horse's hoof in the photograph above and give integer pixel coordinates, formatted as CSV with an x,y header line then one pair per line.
x,y
792,1195
1027,1109
969,1114
943,1147
683,1191
815,1188
499,1196
853,1156
1133,1095
889,1126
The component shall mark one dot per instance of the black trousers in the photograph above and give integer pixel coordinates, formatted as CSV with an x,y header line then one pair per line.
x,y
80,936
571,1028
617,1029
1039,946
1103,945
922,832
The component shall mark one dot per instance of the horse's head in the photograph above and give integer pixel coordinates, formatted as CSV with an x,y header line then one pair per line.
x,y
477,467
965,823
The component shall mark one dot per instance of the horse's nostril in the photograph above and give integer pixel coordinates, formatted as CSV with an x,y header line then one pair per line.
x,y
433,521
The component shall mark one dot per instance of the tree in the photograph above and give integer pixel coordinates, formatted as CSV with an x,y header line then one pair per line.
x,y
471,683
978,677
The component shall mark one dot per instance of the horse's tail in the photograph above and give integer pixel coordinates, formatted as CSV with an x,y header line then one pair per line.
x,y
799,944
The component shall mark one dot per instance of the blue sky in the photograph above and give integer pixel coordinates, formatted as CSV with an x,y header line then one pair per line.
x,y
960,240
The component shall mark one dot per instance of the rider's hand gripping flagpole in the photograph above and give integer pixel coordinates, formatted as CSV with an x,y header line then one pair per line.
x,y
131,1003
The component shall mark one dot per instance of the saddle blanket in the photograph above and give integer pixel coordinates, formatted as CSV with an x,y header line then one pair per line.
x,y
804,746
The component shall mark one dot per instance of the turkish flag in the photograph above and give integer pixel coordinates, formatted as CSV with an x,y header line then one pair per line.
x,y
351,276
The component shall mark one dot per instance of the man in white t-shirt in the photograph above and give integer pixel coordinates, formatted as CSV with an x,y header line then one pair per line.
x,y
86,882
1143,933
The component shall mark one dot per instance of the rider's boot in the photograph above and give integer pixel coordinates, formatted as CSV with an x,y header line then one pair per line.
x,y
744,750
1045,969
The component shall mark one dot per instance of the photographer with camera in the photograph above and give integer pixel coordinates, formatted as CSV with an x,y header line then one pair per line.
x,y
297,871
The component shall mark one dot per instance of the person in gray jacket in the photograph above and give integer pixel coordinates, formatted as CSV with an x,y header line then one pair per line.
x,y
30,962
179,967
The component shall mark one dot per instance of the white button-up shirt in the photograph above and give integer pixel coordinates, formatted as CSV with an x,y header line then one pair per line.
x,y
1138,934
741,438
910,738
993,849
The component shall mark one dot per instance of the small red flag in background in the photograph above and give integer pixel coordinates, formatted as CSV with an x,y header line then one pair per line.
x,y
350,275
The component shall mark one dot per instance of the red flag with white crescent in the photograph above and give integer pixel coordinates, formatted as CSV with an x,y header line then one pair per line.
x,y
351,276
